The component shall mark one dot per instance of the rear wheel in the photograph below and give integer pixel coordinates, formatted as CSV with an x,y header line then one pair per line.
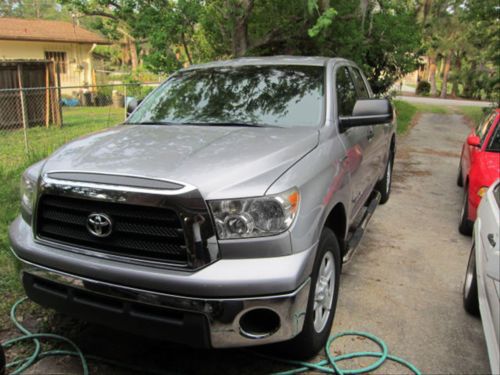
x,y
465,225
470,297
384,185
321,304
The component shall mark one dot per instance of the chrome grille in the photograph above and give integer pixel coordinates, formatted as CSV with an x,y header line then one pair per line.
x,y
143,232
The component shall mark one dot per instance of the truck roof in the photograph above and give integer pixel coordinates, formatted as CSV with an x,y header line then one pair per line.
x,y
271,60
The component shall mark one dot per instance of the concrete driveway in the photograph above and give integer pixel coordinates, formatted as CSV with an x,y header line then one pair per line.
x,y
405,282
403,285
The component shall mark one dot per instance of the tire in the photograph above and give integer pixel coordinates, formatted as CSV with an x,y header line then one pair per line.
x,y
384,185
465,225
470,297
316,331
460,181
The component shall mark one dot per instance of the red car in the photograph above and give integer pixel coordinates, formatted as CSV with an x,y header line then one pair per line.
x,y
479,167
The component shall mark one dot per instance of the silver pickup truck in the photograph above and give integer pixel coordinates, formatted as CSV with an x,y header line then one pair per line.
x,y
220,213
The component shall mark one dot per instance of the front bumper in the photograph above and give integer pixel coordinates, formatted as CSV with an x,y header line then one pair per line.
x,y
224,278
199,322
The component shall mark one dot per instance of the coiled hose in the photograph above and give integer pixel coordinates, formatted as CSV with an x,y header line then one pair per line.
x,y
327,366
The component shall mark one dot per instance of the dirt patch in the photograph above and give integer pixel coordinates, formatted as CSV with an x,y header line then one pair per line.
x,y
469,122
414,121
403,176
429,151
403,153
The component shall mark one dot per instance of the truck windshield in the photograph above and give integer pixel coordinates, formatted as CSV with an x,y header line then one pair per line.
x,y
283,96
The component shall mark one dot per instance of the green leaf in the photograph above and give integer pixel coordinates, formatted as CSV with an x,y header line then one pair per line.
x,y
323,22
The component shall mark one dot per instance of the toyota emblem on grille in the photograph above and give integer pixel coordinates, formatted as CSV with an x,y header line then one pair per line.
x,y
99,225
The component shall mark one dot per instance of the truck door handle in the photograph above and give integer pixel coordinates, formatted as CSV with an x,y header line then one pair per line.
x,y
491,239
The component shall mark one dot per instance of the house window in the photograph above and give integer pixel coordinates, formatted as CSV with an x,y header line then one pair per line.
x,y
59,59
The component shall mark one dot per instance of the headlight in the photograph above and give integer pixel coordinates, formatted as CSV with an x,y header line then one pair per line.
x,y
28,188
255,217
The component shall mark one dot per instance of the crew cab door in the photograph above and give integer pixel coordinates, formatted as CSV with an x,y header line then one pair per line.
x,y
356,140
378,142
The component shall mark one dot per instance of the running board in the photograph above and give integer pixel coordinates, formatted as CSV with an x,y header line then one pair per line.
x,y
354,240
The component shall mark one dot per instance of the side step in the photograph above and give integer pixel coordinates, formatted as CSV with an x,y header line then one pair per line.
x,y
355,238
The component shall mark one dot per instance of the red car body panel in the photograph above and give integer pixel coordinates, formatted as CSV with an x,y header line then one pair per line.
x,y
479,167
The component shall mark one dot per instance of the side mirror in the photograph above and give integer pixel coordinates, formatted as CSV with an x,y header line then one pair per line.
x,y
369,112
132,104
473,140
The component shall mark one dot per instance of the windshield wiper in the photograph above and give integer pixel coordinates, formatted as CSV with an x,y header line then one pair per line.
x,y
153,123
231,123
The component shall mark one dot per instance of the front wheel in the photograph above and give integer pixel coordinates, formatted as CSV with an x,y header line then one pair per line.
x,y
321,304
384,185
470,297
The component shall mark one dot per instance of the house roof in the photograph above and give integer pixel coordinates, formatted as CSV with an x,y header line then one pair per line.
x,y
47,31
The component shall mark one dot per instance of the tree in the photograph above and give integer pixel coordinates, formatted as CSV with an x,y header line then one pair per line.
x,y
380,35
46,9
169,28
114,18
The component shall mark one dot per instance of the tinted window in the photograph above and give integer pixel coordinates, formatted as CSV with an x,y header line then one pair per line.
x,y
274,95
494,143
482,129
360,84
346,92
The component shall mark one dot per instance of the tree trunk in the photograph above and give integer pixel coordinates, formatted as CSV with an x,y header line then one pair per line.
x,y
125,52
133,54
458,67
240,31
240,37
446,72
432,75
186,49
468,84
363,6
36,4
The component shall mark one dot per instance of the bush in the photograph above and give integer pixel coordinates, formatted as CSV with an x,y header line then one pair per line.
x,y
423,88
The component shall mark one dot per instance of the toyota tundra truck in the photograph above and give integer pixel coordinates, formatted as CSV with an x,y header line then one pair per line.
x,y
219,214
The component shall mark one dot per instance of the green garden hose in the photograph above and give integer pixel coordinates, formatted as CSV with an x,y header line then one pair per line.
x,y
327,366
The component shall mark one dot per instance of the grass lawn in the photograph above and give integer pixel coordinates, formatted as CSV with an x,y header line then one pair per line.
x,y
405,113
475,114
13,161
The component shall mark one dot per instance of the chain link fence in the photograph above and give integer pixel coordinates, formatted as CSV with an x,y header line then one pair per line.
x,y
36,121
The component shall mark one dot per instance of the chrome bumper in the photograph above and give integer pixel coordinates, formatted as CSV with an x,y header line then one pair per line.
x,y
223,315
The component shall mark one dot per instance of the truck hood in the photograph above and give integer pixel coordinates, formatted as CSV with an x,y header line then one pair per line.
x,y
222,162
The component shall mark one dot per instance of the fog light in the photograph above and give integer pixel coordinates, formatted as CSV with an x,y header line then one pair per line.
x,y
259,323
